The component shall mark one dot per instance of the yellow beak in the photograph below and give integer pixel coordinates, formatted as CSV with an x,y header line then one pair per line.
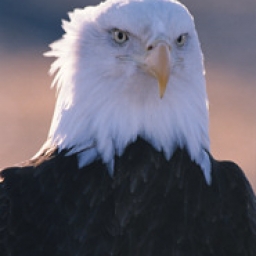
x,y
158,64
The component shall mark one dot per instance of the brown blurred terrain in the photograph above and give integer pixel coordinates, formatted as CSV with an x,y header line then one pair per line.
x,y
228,37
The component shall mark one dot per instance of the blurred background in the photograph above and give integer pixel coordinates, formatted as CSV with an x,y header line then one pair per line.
x,y
227,30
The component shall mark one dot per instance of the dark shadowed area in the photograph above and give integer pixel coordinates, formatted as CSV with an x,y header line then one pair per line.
x,y
227,30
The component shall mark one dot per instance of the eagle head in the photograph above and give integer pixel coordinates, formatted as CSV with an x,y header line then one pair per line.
x,y
128,69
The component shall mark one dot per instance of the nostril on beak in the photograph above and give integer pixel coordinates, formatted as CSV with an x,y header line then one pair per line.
x,y
155,43
150,47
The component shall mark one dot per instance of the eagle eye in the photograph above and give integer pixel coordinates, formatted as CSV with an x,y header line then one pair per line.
x,y
120,36
181,40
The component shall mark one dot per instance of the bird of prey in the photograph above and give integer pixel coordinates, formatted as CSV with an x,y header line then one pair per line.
x,y
126,169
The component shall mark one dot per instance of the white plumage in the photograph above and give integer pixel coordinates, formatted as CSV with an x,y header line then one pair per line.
x,y
113,100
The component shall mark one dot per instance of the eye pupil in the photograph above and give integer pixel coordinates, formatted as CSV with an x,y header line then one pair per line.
x,y
120,35
179,40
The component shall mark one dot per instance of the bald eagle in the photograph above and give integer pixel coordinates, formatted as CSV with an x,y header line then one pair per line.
x,y
126,169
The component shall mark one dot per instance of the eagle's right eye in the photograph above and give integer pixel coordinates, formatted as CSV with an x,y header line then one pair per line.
x,y
120,36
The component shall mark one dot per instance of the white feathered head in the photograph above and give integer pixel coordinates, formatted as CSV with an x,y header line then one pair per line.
x,y
128,69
